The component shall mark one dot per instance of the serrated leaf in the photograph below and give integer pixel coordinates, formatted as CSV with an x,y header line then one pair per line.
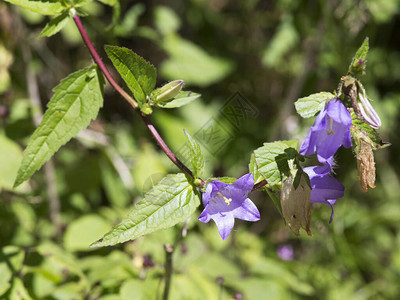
x,y
358,64
44,7
181,99
270,160
76,101
170,201
55,25
138,74
196,155
308,106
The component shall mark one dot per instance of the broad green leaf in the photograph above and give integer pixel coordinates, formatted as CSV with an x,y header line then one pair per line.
x,y
191,63
109,2
10,159
170,201
5,278
166,20
76,101
358,64
18,291
82,231
55,25
181,99
270,160
196,155
44,7
138,74
308,106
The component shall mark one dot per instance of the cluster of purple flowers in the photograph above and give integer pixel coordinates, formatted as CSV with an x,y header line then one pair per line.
x,y
224,202
330,131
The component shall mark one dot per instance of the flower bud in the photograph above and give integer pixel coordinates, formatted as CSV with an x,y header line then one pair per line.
x,y
167,92
146,109
296,205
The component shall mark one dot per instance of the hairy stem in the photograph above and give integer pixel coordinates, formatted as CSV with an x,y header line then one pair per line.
x,y
128,98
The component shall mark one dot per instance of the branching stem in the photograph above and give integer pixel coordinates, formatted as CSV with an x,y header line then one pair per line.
x,y
133,102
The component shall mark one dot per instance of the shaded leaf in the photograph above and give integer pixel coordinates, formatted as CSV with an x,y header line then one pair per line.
x,y
196,155
270,160
55,25
76,101
138,74
170,201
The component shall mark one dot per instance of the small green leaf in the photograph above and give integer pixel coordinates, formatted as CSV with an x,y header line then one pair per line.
x,y
76,101
170,201
310,105
181,99
358,64
55,25
44,7
270,160
196,156
138,74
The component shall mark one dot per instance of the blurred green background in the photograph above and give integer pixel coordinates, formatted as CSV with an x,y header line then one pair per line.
x,y
272,53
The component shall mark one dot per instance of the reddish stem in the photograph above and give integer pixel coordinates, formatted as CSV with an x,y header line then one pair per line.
x,y
128,98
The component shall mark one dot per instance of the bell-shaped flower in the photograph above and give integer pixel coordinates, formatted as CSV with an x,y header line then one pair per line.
x,y
324,188
330,131
224,202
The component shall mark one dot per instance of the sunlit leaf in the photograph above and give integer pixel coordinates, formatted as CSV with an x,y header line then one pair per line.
x,y
44,7
55,25
138,74
170,201
308,106
76,101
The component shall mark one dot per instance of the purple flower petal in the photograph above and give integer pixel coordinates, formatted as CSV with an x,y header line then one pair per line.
x,y
224,224
248,211
224,202
330,131
325,189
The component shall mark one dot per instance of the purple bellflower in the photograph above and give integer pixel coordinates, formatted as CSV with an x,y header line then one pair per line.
x,y
224,202
330,131
325,188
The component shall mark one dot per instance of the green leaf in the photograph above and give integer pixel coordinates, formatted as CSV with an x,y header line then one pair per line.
x,y
310,105
270,160
44,7
166,20
170,201
10,159
181,99
55,25
358,64
188,61
81,231
76,101
196,156
138,74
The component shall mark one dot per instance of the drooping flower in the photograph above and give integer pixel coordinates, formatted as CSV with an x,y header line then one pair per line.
x,y
325,188
330,131
224,202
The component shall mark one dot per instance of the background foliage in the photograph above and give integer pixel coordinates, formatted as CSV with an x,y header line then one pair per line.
x,y
272,52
